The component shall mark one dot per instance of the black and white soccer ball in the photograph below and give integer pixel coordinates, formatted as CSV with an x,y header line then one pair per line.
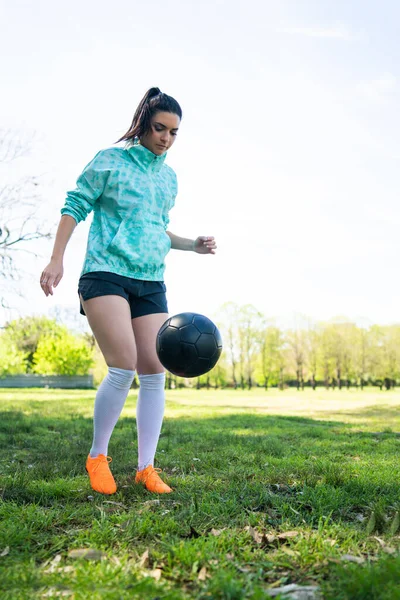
x,y
189,344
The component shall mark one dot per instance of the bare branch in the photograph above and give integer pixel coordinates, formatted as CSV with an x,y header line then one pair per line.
x,y
13,147
20,224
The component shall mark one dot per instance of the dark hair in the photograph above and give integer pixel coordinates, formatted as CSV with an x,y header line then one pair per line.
x,y
152,102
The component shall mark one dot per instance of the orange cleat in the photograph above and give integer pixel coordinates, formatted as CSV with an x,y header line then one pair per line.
x,y
101,478
152,481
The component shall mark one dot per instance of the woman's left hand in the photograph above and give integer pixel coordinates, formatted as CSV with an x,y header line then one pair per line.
x,y
205,245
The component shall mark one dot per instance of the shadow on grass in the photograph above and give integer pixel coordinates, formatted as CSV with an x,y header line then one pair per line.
x,y
378,411
321,467
32,438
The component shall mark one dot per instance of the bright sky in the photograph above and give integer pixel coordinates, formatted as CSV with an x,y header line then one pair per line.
x,y
288,152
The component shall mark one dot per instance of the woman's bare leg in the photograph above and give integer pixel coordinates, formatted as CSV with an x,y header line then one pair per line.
x,y
145,330
110,320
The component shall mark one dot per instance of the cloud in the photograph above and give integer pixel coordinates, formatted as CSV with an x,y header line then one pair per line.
x,y
338,32
380,89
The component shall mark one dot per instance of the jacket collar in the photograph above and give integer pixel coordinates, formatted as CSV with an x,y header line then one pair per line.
x,y
145,159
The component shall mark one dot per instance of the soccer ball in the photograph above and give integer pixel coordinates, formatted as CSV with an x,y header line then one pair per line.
x,y
188,344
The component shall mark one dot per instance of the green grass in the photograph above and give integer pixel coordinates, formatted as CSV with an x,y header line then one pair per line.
x,y
247,467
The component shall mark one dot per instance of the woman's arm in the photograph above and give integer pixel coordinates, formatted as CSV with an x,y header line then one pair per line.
x,y
78,204
202,245
52,274
65,230
180,243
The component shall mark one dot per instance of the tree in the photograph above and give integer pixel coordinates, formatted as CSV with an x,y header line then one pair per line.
x,y
384,354
249,327
270,345
12,360
391,355
282,360
362,355
340,332
228,317
62,354
297,343
19,222
377,355
313,349
352,336
357,357
25,334
327,361
218,375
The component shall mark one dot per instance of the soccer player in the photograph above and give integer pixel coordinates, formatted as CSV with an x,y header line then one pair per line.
x,y
121,289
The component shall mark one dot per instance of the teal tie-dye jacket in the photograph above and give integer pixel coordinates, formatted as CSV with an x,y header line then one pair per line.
x,y
131,192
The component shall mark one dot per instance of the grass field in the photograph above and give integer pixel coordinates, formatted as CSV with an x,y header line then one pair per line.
x,y
270,489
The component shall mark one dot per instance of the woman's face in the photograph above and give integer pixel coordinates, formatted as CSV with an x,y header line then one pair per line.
x,y
162,134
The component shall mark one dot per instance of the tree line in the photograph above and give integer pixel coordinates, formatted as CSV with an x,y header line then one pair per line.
x,y
257,353
335,354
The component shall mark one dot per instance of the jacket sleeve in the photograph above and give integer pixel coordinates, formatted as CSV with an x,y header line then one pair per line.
x,y
89,187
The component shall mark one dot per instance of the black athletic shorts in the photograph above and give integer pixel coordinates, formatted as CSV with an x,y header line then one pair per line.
x,y
144,297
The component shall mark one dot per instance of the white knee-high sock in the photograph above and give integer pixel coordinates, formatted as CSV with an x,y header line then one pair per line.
x,y
149,416
110,400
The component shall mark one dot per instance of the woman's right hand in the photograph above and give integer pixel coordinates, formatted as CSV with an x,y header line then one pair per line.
x,y
51,276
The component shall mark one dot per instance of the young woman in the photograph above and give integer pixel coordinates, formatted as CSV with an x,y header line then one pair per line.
x,y
131,191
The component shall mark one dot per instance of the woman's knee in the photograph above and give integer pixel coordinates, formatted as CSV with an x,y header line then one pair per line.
x,y
119,355
121,361
150,370
148,362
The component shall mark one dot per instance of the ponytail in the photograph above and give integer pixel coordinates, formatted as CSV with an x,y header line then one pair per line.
x,y
153,101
